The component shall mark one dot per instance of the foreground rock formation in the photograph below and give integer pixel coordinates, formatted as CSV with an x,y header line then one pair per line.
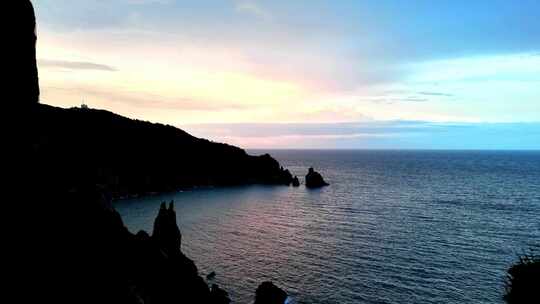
x,y
88,256
314,179
268,293
166,232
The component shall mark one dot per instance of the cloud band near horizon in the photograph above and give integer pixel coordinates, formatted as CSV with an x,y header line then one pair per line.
x,y
376,135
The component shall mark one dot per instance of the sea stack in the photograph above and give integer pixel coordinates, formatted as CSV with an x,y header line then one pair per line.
x,y
314,179
295,182
166,232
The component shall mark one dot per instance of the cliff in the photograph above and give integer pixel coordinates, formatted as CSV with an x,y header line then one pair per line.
x,y
132,157
19,44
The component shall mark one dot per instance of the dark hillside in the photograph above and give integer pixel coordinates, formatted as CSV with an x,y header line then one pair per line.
x,y
87,146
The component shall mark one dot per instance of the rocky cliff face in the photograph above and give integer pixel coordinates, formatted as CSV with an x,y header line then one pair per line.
x,y
96,258
166,233
91,257
132,157
20,47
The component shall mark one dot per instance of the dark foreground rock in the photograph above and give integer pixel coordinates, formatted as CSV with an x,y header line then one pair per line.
x,y
166,232
268,293
211,275
218,295
19,47
523,281
314,179
79,251
135,268
89,256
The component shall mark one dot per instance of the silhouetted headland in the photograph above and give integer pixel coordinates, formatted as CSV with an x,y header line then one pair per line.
x,y
314,179
126,156
132,157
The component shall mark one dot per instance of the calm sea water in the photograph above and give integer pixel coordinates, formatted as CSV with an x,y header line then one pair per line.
x,y
393,227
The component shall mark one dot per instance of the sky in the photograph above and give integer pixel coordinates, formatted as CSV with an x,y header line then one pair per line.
x,y
349,74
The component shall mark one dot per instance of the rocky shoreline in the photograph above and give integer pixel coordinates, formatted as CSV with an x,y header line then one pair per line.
x,y
89,256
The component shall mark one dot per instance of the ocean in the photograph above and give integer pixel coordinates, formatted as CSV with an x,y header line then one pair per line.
x,y
393,226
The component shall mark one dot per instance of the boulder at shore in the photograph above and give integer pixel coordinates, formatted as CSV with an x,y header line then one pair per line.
x,y
314,179
268,293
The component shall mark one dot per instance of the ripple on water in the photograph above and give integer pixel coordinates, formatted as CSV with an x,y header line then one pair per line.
x,y
393,227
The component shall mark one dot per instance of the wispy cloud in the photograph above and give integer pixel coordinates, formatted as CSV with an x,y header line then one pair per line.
x,y
365,128
253,8
75,65
149,1
410,98
147,100
376,135
436,94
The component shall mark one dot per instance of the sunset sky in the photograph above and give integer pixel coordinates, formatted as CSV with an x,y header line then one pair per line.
x,y
303,74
